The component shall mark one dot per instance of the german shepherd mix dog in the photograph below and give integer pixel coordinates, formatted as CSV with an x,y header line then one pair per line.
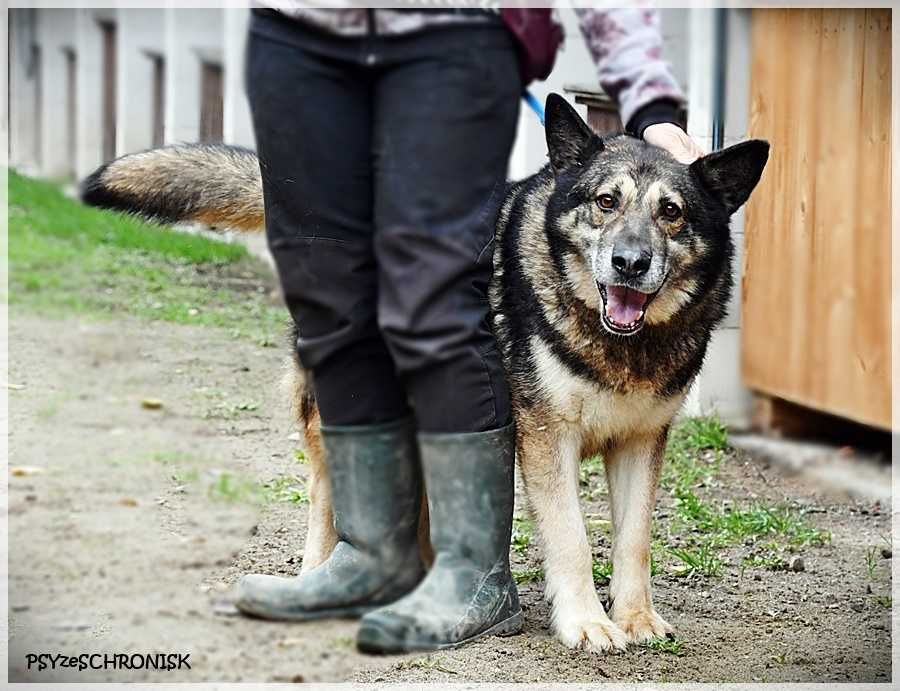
x,y
612,266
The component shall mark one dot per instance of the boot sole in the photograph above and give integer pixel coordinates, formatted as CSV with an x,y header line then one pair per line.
x,y
373,640
306,615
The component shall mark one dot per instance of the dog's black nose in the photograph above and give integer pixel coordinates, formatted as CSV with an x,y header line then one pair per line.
x,y
630,259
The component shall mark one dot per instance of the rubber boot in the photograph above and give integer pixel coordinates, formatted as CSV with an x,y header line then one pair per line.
x,y
376,491
469,591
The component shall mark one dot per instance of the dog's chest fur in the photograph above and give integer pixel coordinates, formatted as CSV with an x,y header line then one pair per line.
x,y
600,413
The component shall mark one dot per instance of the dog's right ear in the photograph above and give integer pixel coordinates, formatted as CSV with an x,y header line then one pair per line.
x,y
568,136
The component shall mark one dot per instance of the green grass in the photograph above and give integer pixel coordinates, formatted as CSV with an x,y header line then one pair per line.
x,y
67,258
602,571
703,560
702,526
523,530
694,451
531,575
673,646
287,488
872,554
232,487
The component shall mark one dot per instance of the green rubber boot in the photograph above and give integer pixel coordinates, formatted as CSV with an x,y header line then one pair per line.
x,y
376,492
469,591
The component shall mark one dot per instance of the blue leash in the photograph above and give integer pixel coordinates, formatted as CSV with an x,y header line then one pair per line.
x,y
534,104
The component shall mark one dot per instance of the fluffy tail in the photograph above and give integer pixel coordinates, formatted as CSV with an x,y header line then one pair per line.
x,y
206,183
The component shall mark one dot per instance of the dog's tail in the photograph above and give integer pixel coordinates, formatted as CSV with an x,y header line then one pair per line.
x,y
213,184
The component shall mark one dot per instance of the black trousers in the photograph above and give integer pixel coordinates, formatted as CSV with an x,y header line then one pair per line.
x,y
384,164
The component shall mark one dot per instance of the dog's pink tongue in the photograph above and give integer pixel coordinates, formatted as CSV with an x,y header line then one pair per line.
x,y
624,305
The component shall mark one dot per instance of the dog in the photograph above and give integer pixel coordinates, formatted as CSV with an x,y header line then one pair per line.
x,y
612,267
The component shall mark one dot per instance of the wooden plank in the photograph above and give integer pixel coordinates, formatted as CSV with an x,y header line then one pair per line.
x,y
816,281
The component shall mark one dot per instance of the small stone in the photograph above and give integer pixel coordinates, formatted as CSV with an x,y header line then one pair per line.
x,y
868,589
757,577
886,552
796,564
857,606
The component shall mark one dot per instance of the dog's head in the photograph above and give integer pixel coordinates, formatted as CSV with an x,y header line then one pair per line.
x,y
641,235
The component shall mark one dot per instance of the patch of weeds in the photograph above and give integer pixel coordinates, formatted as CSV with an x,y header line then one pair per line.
x,y
672,646
234,488
872,563
780,659
760,521
287,488
885,601
300,456
429,662
237,488
694,452
704,432
531,575
590,467
523,530
702,560
590,478
602,571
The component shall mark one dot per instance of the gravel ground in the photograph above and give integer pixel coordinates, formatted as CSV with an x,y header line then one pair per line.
x,y
151,465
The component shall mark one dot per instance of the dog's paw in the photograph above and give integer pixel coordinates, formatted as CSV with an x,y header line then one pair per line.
x,y
641,624
598,636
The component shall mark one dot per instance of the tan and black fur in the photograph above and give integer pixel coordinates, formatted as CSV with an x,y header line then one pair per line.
x,y
580,384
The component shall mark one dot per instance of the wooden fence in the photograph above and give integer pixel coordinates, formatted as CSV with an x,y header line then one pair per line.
x,y
816,289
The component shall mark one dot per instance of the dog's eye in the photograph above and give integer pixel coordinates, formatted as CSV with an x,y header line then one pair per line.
x,y
671,211
607,202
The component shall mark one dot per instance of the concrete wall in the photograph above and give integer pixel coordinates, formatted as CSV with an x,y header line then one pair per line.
x,y
140,35
237,125
54,30
89,49
24,150
192,37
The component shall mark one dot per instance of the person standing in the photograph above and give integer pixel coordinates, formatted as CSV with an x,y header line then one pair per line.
x,y
383,138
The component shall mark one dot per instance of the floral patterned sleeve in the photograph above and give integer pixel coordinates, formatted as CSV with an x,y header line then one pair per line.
x,y
627,48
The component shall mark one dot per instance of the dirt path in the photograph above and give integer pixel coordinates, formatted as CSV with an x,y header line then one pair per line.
x,y
139,519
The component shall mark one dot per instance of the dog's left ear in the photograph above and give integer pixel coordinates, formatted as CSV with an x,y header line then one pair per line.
x,y
732,173
568,136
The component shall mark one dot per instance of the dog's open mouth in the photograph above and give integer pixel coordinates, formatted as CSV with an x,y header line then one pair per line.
x,y
624,308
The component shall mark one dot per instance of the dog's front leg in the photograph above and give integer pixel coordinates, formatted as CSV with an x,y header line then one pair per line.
x,y
632,472
549,461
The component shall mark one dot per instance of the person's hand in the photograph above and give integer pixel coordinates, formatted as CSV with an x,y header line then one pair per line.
x,y
675,140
